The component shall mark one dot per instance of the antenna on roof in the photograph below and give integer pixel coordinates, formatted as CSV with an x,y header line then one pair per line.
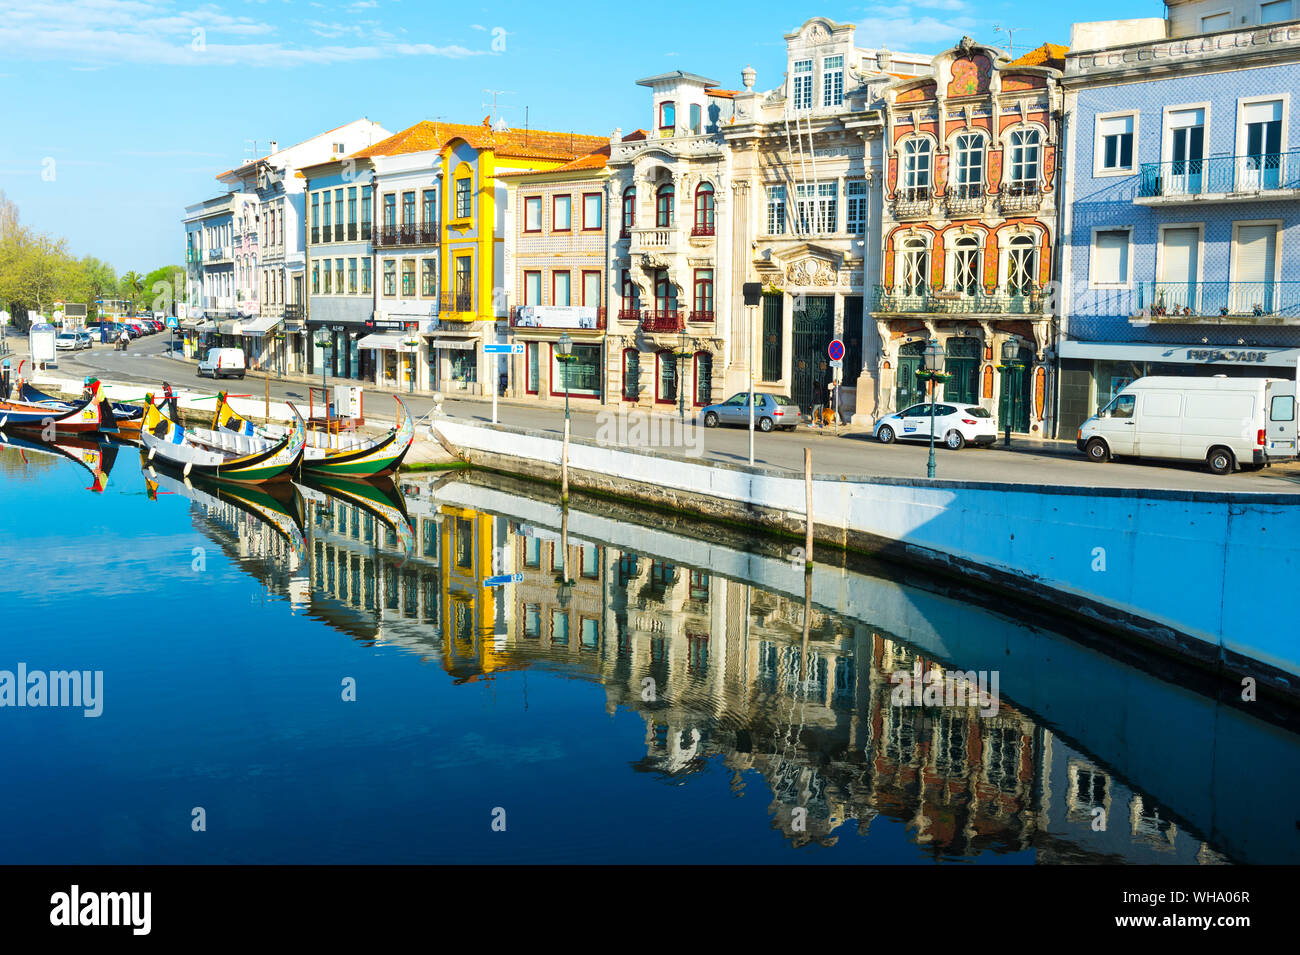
x,y
525,124
1011,46
497,124
250,148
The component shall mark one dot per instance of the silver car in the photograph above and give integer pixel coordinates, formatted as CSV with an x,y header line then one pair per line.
x,y
770,412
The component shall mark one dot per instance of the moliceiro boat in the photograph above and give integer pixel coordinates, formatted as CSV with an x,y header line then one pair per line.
x,y
220,454
127,417
91,413
331,453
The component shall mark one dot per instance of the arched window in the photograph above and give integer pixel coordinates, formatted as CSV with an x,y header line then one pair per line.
x,y
916,167
629,212
703,210
913,267
1022,265
666,377
968,166
1022,178
664,205
703,378
631,374
966,265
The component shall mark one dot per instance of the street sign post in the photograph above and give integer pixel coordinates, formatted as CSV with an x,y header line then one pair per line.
x,y
835,350
500,580
500,348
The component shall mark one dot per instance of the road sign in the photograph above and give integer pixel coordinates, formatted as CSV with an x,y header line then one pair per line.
x,y
503,348
501,579
837,362
171,321
835,349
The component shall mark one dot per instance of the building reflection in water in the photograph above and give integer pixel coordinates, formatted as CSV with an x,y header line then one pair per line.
x,y
793,700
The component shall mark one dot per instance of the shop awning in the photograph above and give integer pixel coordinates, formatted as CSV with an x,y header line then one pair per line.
x,y
462,344
229,328
389,340
258,326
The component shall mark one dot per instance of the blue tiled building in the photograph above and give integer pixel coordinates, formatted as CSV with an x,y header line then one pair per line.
x,y
1181,248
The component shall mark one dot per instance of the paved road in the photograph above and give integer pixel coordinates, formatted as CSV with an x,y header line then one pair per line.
x,y
1041,462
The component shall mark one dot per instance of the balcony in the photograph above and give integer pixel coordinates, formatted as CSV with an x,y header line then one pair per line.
x,y
629,314
662,241
352,231
701,315
428,234
386,237
293,313
965,199
703,230
338,232
913,203
1264,176
951,302
1218,303
578,317
406,233
1019,197
456,302
662,320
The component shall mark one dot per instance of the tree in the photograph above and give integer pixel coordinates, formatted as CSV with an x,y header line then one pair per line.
x,y
131,287
173,276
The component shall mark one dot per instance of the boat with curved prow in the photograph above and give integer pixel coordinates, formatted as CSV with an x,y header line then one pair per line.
x,y
126,416
91,413
331,454
220,454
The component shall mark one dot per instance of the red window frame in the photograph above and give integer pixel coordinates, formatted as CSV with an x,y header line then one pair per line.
x,y
528,352
701,283
665,105
554,274
622,382
585,273
695,377
659,357
554,227
665,199
538,273
629,210
529,200
705,209
587,227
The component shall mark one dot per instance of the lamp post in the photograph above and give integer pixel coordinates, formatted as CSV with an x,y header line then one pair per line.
x,y
412,342
933,357
753,292
681,376
1010,359
323,339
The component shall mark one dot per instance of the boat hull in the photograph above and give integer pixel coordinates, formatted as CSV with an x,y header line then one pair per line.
x,y
171,445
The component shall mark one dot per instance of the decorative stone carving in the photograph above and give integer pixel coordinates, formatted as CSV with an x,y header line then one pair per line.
x,y
811,272
650,261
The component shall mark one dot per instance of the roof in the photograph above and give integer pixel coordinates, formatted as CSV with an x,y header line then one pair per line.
x,y
1049,54
516,143
596,159
677,75
725,94
248,164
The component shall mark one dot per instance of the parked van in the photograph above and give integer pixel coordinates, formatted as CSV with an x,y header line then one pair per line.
x,y
1224,422
223,363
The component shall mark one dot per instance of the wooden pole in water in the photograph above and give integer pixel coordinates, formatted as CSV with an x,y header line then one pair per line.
x,y
808,509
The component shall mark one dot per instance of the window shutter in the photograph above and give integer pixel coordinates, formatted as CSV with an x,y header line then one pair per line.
x,y
1256,245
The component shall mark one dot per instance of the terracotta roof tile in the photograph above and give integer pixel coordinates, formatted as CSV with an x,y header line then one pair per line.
x,y
1049,54
725,94
515,143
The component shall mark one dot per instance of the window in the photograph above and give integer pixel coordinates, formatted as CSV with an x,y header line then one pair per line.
x,y
561,213
665,294
816,206
352,212
581,375
1275,12
856,206
1282,408
667,116
390,277
365,276
463,198
630,295
916,168
664,205
803,80
315,278
703,385
704,210
352,276
533,214
560,288
560,628
533,288
1262,133
591,283
325,230
390,211
1215,22
430,210
429,277
329,279
315,218
629,210
464,282
1184,151
776,210
338,274
338,214
1023,176
533,363
1115,143
914,267
408,278
408,212
1110,257
1022,265
592,211
696,124
966,265
631,374
365,212
532,612
832,80
968,170
703,310
666,393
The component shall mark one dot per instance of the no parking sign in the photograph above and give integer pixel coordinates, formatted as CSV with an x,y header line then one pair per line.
x,y
835,349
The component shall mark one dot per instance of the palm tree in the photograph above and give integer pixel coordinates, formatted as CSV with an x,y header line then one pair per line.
x,y
131,287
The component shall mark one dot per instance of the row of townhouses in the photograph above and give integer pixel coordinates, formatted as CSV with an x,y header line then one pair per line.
x,y
1061,222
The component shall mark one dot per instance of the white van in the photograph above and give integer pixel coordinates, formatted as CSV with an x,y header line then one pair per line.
x,y
223,363
1225,422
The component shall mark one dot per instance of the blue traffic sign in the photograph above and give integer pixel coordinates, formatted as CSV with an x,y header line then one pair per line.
x,y
502,579
171,321
503,348
835,349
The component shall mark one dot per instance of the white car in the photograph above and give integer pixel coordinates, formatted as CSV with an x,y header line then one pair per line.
x,y
954,425
67,341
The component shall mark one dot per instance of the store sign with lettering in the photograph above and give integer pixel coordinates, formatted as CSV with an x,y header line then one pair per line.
x,y
1216,355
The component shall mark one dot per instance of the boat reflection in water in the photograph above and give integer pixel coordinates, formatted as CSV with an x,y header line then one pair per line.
x,y
734,659
95,453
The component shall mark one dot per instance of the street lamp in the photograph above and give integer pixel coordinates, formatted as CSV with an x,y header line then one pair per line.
x,y
933,358
323,340
1010,356
564,348
412,342
681,375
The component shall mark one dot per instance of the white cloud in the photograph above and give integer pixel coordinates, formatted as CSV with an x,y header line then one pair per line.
x,y
106,32
899,29
942,4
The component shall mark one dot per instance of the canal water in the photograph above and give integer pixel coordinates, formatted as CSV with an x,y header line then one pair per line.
x,y
456,670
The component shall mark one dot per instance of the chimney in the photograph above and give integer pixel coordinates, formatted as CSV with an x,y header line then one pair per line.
x,y
274,146
618,135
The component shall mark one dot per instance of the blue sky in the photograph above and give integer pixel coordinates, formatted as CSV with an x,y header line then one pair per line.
x,y
118,113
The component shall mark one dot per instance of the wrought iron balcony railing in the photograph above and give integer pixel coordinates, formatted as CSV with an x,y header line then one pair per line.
x,y
704,228
315,235
701,315
1229,303
965,197
292,312
957,302
662,320
428,233
911,202
1019,197
1220,175
326,233
338,232
365,230
352,231
629,314
456,301
385,236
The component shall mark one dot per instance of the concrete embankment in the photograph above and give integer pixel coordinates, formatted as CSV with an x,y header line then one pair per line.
x,y
1201,575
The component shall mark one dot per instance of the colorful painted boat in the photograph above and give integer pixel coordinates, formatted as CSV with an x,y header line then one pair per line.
x,y
379,498
126,416
92,413
221,455
97,457
330,453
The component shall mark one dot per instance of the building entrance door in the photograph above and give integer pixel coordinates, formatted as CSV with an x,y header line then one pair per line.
x,y
814,327
908,389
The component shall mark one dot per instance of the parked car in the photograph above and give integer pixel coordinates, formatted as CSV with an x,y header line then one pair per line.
x,y
1225,422
223,363
66,341
956,425
84,340
770,412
